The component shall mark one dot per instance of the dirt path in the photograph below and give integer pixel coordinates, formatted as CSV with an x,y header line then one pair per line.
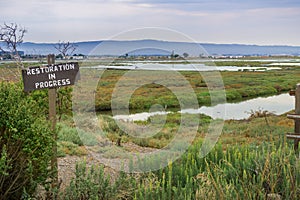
x,y
67,164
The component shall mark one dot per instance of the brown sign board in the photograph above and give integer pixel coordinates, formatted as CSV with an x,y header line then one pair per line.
x,y
50,76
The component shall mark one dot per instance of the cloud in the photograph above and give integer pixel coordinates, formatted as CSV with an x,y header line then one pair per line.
x,y
222,21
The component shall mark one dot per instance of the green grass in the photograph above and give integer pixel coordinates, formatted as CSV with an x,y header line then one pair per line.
x,y
237,85
255,130
239,172
72,140
251,160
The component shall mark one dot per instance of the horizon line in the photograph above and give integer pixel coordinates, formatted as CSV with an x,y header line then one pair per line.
x,y
135,40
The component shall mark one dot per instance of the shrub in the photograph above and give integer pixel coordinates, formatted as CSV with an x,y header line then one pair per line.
x,y
25,143
112,127
88,138
63,104
89,184
232,94
92,183
69,134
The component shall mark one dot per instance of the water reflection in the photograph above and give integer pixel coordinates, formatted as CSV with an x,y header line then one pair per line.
x,y
278,104
183,67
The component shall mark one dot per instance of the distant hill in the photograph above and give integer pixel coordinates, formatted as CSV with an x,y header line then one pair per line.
x,y
156,47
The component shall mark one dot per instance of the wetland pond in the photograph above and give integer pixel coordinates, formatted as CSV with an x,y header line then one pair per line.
x,y
278,104
182,67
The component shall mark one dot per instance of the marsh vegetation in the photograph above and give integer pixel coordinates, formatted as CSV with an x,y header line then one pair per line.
x,y
251,160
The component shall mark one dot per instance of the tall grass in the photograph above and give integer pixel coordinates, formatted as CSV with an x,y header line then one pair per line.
x,y
251,161
240,172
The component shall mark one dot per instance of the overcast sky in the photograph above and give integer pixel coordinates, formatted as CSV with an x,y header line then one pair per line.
x,y
259,22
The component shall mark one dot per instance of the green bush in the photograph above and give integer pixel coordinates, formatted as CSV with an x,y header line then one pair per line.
x,y
85,136
69,134
63,103
92,183
112,127
88,138
89,184
232,94
25,142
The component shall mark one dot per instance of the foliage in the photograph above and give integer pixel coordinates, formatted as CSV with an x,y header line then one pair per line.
x,y
261,126
110,126
252,160
89,184
63,103
241,172
25,142
69,134
72,140
92,183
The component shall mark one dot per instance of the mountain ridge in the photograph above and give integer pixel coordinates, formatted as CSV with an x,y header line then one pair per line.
x,y
121,47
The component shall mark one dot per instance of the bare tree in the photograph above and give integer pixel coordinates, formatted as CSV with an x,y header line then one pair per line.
x,y
12,35
65,48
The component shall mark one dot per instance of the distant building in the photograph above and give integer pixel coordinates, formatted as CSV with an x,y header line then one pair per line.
x,y
80,57
5,55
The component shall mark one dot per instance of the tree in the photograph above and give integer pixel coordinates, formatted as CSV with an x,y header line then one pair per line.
x,y
12,35
185,55
65,48
173,55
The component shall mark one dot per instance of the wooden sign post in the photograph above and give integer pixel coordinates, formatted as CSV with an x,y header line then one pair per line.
x,y
52,118
296,117
51,77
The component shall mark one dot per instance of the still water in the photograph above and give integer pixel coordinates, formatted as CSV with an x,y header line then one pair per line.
x,y
277,104
183,67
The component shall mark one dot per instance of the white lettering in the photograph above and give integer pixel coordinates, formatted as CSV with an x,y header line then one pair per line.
x,y
37,70
54,83
72,66
68,81
52,76
55,68
41,85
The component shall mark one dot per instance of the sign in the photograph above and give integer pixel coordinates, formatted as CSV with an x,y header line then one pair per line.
x,y
50,76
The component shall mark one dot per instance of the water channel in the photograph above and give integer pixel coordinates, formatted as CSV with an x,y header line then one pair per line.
x,y
182,67
277,104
